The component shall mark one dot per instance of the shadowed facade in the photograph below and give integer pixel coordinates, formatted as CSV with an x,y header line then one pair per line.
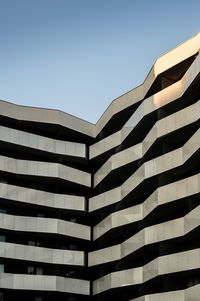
x,y
105,211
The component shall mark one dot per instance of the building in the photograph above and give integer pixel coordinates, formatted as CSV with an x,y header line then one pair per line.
x,y
107,211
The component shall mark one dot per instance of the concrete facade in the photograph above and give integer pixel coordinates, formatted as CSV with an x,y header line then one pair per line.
x,y
108,210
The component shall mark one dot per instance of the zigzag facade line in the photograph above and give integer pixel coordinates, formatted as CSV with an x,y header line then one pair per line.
x,y
108,210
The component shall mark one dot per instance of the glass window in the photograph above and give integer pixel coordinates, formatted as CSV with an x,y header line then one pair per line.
x,y
2,238
40,215
72,247
31,270
70,273
39,271
1,296
1,268
3,181
31,243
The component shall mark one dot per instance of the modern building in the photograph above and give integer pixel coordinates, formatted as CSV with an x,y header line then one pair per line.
x,y
105,211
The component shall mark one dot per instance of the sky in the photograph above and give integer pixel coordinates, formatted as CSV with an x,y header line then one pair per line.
x,y
79,55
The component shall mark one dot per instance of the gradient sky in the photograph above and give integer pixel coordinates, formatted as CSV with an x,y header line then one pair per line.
x,y
78,55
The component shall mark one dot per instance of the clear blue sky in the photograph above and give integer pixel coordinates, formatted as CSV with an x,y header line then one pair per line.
x,y
78,55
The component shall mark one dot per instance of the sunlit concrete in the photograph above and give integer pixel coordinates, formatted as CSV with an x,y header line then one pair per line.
x,y
163,63
162,127
69,222
172,263
44,169
168,230
38,254
42,143
43,225
149,105
41,198
149,169
44,283
163,195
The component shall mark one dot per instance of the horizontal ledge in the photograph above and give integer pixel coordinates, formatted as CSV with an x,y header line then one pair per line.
x,y
171,229
41,143
39,254
161,128
44,169
150,168
41,198
168,264
188,294
162,195
44,225
147,106
44,283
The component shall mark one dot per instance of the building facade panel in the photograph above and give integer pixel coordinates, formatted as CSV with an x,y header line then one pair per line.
x,y
108,210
